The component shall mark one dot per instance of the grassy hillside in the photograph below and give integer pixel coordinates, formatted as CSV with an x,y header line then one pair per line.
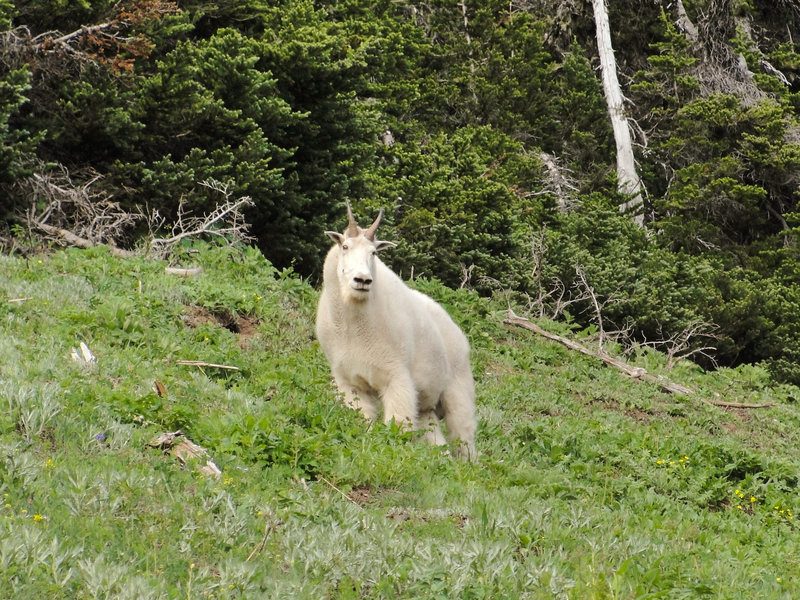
x,y
589,485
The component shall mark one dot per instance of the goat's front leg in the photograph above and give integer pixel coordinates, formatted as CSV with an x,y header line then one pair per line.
x,y
400,402
358,400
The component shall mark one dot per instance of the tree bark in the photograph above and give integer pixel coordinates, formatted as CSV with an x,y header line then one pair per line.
x,y
628,178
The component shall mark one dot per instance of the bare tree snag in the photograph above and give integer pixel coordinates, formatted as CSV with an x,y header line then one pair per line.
x,y
558,182
637,373
685,24
628,178
468,39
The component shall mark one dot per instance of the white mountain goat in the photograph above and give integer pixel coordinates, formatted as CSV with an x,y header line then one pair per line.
x,y
392,347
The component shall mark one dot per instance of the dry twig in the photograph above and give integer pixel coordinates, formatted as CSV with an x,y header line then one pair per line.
x,y
333,487
684,344
553,298
270,526
201,364
82,215
102,43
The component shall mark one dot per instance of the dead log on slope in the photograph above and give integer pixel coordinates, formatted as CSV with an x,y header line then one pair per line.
x,y
631,371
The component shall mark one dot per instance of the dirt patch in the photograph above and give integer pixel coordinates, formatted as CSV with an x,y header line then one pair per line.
x,y
399,515
460,520
611,404
248,326
245,326
197,316
360,495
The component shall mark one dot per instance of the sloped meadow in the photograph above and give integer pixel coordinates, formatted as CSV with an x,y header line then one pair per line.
x,y
589,485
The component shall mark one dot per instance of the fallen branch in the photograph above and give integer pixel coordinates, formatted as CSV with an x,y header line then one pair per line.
x,y
190,272
200,363
82,214
725,404
56,234
633,372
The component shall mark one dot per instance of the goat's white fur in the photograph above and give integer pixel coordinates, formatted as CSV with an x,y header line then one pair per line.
x,y
392,347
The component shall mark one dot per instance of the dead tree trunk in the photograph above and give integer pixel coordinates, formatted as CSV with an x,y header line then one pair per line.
x,y
685,24
628,178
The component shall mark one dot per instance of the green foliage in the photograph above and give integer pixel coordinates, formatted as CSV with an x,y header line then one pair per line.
x,y
49,15
710,209
91,121
734,176
209,112
462,200
582,124
16,145
668,82
473,124
7,13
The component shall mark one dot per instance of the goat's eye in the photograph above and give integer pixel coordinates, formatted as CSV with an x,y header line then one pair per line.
x,y
345,246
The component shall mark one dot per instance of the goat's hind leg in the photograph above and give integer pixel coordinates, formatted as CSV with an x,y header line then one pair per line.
x,y
458,406
429,423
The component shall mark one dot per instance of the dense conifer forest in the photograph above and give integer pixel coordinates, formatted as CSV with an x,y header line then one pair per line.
x,y
481,127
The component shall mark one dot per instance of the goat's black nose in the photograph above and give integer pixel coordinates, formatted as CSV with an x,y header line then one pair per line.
x,y
363,280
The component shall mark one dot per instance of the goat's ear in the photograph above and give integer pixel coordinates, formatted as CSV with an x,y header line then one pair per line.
x,y
335,236
381,245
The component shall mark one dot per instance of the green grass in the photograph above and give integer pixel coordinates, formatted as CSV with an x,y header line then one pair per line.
x,y
589,485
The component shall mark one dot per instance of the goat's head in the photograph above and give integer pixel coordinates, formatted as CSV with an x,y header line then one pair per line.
x,y
357,248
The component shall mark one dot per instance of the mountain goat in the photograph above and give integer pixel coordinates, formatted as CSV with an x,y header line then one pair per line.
x,y
392,347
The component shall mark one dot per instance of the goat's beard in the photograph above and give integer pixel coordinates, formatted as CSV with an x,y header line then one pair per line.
x,y
353,295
